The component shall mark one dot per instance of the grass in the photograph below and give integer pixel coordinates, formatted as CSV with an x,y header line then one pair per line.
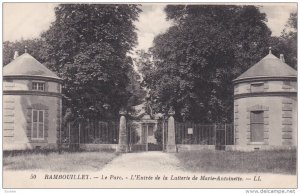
x,y
279,161
53,161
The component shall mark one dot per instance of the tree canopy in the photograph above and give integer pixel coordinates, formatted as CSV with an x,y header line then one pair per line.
x,y
34,47
195,61
87,45
190,67
287,43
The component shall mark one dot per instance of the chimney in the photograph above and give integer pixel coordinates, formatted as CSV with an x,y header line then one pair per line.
x,y
282,58
16,54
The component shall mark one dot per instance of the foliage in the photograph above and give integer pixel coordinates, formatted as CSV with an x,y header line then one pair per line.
x,y
192,65
87,46
158,135
287,43
34,47
135,88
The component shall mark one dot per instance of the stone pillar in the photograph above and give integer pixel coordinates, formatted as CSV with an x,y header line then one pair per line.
x,y
171,145
122,146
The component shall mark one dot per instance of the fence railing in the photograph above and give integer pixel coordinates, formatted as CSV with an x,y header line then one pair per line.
x,y
91,132
87,131
203,134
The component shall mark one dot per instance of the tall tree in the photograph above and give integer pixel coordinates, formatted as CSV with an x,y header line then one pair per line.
x,y
87,45
195,61
287,43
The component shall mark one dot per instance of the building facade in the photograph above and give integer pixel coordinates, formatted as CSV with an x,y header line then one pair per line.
x,y
145,128
265,106
32,105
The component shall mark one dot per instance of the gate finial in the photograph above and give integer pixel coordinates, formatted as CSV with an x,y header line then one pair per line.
x,y
171,112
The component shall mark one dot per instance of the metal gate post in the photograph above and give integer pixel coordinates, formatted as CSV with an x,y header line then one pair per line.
x,y
225,134
147,137
129,145
69,134
163,134
79,134
215,133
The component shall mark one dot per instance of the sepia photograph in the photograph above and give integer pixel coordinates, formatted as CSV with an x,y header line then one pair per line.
x,y
149,95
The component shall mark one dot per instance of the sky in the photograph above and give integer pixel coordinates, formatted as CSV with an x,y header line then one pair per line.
x,y
28,20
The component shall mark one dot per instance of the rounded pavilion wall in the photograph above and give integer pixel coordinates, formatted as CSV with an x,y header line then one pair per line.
x,y
269,86
26,85
18,102
278,101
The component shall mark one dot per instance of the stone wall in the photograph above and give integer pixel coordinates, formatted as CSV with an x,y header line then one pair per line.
x,y
280,114
17,121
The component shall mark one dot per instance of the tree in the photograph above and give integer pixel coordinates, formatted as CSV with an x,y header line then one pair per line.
x,y
192,65
87,45
287,43
135,88
34,47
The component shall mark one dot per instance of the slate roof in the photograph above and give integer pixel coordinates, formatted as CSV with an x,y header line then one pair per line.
x,y
269,66
26,65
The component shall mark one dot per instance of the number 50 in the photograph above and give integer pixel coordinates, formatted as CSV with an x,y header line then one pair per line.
x,y
32,176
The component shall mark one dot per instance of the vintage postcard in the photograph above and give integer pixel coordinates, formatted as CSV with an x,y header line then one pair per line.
x,y
185,95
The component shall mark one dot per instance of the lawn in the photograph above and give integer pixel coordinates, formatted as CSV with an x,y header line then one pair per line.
x,y
279,161
53,161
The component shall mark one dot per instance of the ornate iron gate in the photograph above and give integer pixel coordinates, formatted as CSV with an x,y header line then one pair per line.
x,y
136,141
138,134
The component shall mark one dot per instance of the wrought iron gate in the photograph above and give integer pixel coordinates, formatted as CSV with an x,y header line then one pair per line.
x,y
138,136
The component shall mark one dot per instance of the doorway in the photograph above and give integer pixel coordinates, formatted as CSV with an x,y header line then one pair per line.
x,y
148,137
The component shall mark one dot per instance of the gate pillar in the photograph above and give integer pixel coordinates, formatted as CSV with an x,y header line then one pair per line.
x,y
171,144
122,146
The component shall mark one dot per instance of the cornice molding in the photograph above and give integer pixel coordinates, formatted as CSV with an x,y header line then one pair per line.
x,y
32,77
251,79
32,93
264,94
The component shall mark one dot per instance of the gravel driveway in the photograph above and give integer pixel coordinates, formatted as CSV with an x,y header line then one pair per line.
x,y
154,161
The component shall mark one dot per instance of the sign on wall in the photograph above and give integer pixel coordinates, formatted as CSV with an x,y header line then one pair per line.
x,y
190,130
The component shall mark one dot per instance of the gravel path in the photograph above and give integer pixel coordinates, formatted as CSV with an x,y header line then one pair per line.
x,y
144,162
